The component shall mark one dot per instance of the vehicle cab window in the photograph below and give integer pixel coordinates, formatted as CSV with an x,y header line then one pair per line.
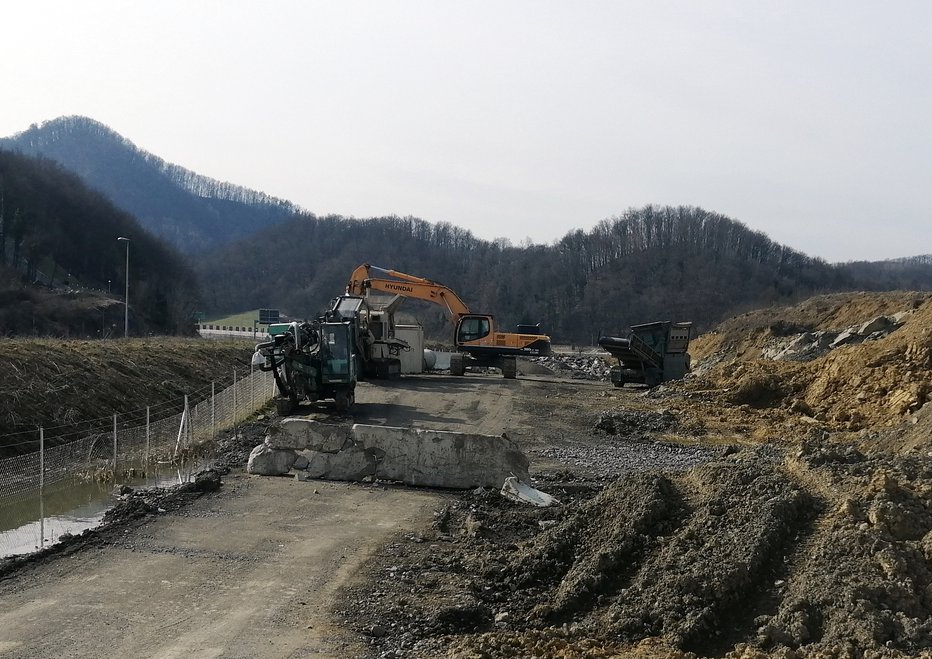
x,y
472,329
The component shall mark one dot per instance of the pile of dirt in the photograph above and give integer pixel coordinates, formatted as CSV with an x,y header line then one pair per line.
x,y
825,553
62,384
636,422
745,336
851,388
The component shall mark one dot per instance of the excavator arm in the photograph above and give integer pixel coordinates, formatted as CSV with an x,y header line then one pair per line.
x,y
369,277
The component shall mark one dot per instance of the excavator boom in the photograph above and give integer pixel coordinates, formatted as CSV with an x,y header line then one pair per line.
x,y
369,277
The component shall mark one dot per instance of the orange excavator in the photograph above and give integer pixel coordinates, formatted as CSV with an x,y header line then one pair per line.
x,y
476,338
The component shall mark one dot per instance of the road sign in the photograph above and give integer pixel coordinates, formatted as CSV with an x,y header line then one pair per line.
x,y
268,316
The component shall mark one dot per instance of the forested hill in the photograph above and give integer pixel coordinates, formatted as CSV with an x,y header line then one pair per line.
x,y
653,263
59,250
189,211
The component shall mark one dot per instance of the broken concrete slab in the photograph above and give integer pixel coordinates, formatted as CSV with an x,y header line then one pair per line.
x,y
519,492
438,458
298,434
847,337
267,461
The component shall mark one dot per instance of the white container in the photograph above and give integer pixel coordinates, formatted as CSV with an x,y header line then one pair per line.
x,y
412,361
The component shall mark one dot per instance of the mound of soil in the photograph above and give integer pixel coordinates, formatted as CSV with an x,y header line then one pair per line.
x,y
826,553
851,388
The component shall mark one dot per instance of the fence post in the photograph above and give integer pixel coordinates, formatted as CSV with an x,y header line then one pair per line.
x,y
213,411
252,389
234,402
114,448
183,428
41,487
146,463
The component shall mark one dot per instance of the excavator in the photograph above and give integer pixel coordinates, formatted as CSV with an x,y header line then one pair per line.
x,y
476,338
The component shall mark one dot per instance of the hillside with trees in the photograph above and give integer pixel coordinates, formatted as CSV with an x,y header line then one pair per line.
x,y
190,211
651,263
62,270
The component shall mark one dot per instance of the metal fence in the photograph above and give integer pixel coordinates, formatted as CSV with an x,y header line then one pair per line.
x,y
135,445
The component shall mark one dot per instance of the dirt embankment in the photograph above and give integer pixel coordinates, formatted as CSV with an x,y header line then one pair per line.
x,y
860,387
63,384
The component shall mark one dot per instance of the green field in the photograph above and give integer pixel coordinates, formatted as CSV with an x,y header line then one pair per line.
x,y
242,319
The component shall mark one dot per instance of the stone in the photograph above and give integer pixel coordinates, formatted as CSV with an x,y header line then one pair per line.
x,y
349,464
428,458
845,338
207,481
267,461
877,324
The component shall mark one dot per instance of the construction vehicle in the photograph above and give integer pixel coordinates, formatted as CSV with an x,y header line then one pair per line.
x,y
378,350
651,353
311,360
475,337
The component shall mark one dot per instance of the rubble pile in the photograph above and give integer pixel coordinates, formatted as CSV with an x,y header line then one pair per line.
x,y
577,366
806,346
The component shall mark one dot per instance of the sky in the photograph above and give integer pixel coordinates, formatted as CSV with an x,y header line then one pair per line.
x,y
525,120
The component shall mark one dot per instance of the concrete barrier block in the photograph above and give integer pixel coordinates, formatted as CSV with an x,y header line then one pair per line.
x,y
267,461
299,434
437,458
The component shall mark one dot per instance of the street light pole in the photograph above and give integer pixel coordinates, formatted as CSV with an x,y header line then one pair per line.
x,y
126,296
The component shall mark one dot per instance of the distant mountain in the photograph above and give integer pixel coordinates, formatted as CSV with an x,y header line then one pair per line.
x,y
189,211
62,269
651,263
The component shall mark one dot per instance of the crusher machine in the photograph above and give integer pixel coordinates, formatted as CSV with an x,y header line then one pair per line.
x,y
650,354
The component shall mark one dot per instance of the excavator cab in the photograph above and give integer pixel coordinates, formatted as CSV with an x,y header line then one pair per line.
x,y
472,328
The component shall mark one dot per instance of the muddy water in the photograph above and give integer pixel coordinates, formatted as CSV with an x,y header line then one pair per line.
x,y
32,522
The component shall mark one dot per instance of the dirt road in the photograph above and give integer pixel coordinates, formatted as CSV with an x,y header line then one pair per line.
x,y
249,572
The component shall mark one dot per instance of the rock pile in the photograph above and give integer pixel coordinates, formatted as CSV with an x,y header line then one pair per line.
x,y
873,374
636,422
805,346
577,366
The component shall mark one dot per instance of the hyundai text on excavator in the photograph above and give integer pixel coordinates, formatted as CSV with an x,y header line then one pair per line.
x,y
476,338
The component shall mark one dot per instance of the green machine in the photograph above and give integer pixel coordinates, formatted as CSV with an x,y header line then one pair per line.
x,y
650,354
311,360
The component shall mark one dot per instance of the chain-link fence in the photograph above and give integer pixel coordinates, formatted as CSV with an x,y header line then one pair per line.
x,y
147,443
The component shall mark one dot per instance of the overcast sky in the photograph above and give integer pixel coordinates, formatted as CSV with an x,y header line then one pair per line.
x,y
810,121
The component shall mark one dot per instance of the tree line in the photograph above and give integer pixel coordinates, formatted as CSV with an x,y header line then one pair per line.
x,y
650,263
